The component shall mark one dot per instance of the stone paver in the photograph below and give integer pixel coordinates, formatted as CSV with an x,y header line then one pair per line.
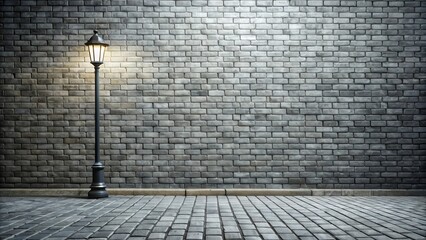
x,y
213,217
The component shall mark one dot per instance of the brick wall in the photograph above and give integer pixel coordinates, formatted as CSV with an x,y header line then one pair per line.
x,y
276,94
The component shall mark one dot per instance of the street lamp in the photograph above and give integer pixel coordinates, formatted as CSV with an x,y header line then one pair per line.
x,y
97,47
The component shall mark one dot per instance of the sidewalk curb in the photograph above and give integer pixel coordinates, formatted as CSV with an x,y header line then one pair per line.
x,y
368,192
43,192
268,192
80,192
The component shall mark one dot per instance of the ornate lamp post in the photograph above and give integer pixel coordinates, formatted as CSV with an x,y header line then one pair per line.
x,y
97,47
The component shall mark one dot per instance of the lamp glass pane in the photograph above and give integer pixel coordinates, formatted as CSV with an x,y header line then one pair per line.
x,y
91,52
97,53
102,53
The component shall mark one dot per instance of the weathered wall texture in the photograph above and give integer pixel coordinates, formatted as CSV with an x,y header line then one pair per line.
x,y
276,94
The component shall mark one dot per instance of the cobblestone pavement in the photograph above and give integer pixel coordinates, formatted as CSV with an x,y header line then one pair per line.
x,y
213,217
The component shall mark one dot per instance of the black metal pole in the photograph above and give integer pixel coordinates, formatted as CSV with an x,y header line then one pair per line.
x,y
98,187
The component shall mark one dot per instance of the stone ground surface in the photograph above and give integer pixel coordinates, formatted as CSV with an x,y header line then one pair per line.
x,y
213,217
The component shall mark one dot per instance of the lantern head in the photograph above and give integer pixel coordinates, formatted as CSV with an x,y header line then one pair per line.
x,y
97,47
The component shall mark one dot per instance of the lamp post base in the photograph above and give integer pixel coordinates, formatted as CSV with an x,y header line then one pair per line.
x,y
98,193
98,187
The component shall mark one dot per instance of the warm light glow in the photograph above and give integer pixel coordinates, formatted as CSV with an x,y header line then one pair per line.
x,y
97,53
